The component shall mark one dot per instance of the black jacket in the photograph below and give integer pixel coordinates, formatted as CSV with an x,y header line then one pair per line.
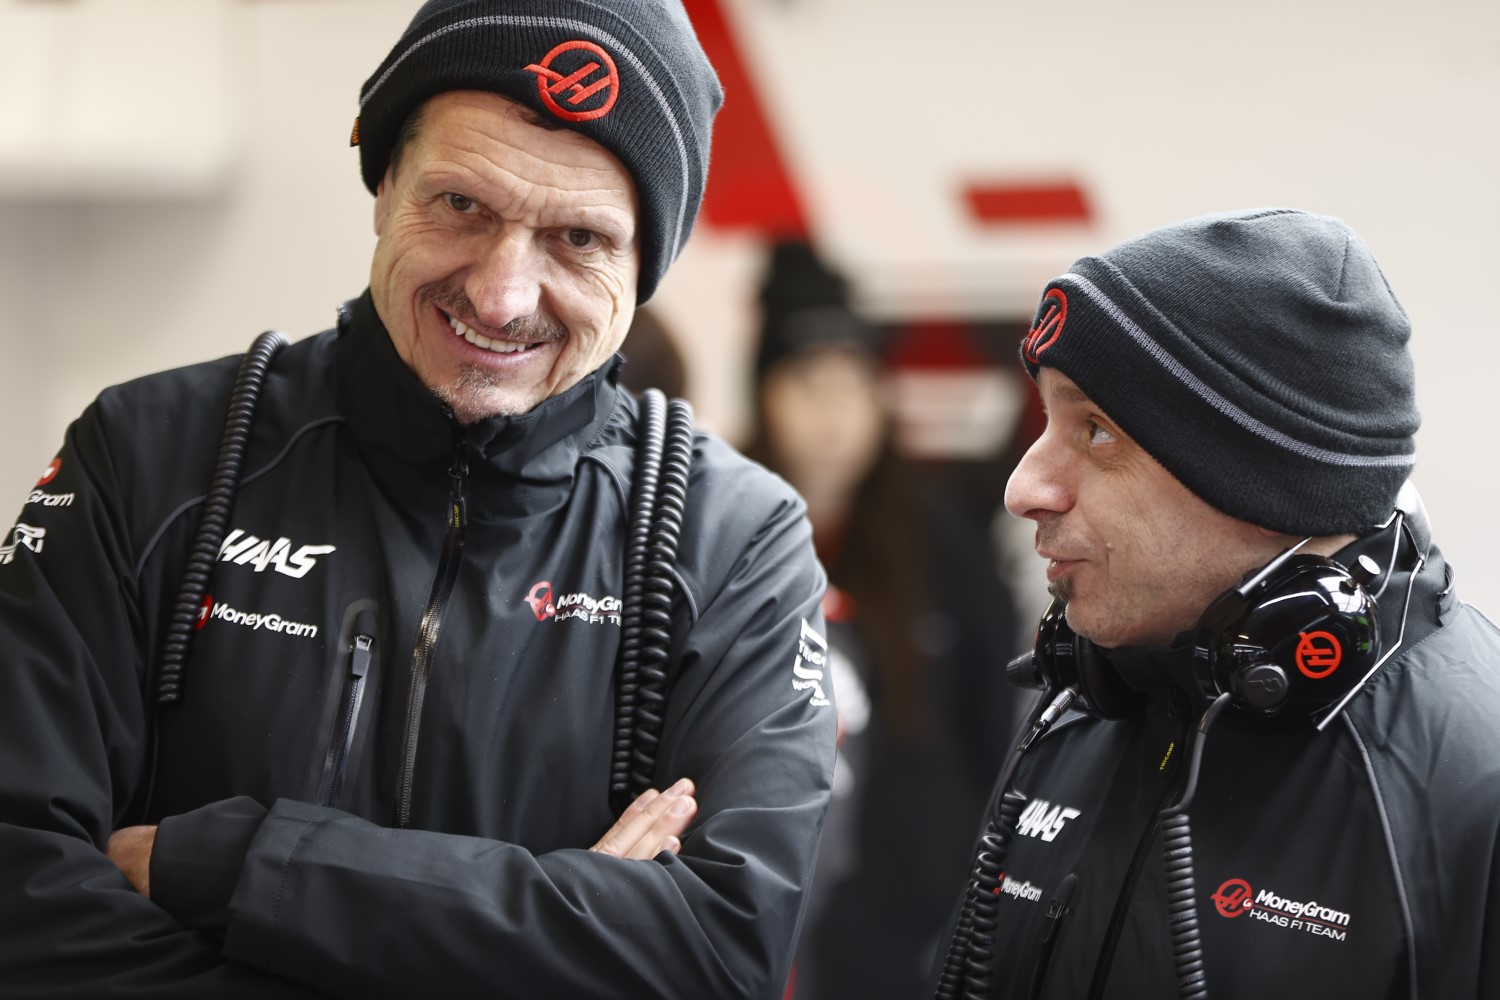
x,y
334,566
1360,862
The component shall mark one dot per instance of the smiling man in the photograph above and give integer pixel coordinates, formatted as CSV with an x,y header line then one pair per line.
x,y
387,765
1280,780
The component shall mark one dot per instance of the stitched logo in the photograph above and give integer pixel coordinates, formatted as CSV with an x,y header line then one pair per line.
x,y
248,550
255,621
50,473
23,536
581,75
807,669
1318,654
540,600
579,605
1051,315
1233,898
1043,819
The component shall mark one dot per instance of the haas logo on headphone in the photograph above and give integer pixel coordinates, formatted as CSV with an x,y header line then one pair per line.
x,y
1318,654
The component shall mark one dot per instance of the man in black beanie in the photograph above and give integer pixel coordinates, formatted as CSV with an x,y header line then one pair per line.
x,y
1263,760
473,674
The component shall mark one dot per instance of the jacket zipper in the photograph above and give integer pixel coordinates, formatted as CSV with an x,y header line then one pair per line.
x,y
1127,890
432,622
336,761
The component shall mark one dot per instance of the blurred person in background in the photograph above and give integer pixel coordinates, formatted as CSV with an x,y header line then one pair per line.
x,y
652,358
916,612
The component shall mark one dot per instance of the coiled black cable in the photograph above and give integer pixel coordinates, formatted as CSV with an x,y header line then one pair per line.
x,y
1177,845
981,908
656,616
664,453
969,964
214,521
212,526
651,429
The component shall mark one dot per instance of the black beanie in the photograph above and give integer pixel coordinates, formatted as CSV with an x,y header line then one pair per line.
x,y
629,74
1260,356
805,306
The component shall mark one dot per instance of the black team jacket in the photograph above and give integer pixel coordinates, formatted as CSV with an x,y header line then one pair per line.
x,y
1362,861
283,872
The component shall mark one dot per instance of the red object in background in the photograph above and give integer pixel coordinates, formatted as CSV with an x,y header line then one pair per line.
x,y
748,185
1004,204
935,344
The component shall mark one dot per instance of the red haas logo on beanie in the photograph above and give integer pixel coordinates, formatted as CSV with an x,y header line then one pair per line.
x,y
577,81
1051,315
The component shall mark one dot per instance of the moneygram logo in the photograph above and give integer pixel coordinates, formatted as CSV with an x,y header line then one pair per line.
x,y
1020,890
579,605
212,610
1235,898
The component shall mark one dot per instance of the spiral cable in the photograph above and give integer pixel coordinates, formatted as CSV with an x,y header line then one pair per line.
x,y
214,521
212,524
1182,912
651,435
968,969
1177,848
656,613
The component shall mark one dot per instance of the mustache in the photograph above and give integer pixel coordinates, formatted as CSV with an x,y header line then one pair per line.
x,y
532,328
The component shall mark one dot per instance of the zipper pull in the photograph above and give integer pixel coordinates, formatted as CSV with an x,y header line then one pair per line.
x,y
359,659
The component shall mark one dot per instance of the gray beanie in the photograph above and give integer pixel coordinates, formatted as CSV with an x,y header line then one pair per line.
x,y
1260,356
629,74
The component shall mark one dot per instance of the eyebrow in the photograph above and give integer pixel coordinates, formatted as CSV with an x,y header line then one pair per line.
x,y
1069,392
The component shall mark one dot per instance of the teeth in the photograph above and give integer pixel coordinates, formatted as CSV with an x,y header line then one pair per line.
x,y
478,340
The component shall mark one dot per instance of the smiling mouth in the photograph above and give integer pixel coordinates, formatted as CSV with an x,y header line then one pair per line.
x,y
481,341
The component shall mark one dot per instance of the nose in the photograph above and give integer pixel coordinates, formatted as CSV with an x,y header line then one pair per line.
x,y
1040,486
506,282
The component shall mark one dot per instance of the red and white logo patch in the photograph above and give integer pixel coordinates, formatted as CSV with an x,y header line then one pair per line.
x,y
540,600
50,473
578,606
577,81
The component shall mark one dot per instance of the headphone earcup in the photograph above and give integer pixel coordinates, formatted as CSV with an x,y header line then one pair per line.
x,y
1062,658
1290,641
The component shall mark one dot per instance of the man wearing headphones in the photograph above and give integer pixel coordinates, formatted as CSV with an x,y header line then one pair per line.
x,y
387,762
1278,776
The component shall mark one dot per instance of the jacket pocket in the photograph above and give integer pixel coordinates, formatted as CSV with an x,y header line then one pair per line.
x,y
352,677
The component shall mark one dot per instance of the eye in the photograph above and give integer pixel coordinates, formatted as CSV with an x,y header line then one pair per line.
x,y
460,203
1099,434
581,239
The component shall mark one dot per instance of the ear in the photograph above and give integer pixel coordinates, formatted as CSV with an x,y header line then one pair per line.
x,y
384,196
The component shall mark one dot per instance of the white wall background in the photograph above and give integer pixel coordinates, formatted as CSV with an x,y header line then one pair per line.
x,y
175,177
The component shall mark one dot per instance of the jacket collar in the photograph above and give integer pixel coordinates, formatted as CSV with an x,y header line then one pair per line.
x,y
406,432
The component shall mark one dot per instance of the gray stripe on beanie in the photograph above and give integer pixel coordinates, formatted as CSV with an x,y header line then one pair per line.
x,y
525,21
1218,402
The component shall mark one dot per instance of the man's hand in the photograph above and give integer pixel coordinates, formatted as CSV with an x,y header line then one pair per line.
x,y
130,850
651,824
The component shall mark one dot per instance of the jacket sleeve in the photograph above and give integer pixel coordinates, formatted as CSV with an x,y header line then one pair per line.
x,y
357,910
73,747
